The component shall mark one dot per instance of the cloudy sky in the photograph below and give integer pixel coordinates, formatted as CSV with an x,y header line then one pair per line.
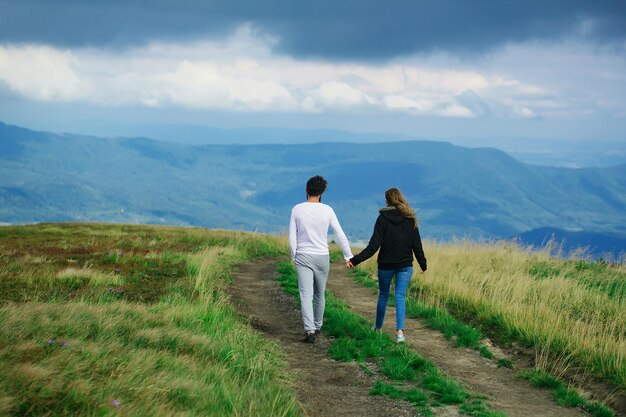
x,y
430,69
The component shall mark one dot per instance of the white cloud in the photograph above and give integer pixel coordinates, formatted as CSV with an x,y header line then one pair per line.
x,y
335,94
242,73
397,102
42,73
455,110
524,112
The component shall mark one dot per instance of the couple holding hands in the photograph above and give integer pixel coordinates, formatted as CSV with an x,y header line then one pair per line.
x,y
396,235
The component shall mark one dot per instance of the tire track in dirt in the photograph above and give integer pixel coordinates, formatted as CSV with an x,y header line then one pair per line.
x,y
324,387
505,392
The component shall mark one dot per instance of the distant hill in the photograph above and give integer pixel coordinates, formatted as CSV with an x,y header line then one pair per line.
x,y
592,244
555,152
545,152
459,192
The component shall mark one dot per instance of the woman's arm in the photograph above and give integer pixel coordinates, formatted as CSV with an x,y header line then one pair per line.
x,y
418,250
375,241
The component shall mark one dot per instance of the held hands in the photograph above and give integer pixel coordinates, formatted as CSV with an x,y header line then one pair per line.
x,y
349,264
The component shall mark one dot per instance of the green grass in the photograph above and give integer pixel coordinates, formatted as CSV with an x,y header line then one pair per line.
x,y
504,363
355,341
149,260
131,320
477,408
563,395
418,398
364,278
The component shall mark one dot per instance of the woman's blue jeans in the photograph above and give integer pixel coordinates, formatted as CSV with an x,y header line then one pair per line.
x,y
403,277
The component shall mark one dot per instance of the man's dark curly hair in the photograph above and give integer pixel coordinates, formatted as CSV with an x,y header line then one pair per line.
x,y
316,186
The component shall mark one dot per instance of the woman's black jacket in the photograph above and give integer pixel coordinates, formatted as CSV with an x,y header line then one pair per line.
x,y
398,239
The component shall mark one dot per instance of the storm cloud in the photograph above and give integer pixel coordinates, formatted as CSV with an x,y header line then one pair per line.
x,y
242,74
337,30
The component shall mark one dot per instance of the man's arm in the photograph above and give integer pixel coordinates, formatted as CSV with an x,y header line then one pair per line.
x,y
293,240
344,244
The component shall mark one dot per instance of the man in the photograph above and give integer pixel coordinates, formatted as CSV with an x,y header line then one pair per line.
x,y
308,243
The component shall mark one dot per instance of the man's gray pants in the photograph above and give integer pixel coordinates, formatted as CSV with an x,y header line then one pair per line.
x,y
312,276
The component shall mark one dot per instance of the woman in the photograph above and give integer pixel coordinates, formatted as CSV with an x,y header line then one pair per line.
x,y
308,243
397,236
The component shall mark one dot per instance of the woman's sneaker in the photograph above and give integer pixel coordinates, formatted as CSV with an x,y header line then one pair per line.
x,y
309,337
400,338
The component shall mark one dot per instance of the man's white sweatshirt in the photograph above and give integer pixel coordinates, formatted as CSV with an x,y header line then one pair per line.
x,y
308,230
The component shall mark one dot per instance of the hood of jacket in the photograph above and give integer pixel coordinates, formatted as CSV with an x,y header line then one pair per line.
x,y
392,214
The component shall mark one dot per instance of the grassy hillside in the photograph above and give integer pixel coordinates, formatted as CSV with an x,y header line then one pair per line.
x,y
570,312
131,320
135,320
459,191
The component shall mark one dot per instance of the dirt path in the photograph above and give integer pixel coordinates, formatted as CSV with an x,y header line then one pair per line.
x,y
325,387
329,388
504,391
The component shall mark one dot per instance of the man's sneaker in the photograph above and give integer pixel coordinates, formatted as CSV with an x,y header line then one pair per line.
x,y
309,338
400,338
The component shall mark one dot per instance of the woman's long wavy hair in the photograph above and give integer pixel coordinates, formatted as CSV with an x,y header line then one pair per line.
x,y
395,199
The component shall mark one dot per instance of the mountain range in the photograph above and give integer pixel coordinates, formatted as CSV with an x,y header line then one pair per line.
x,y
459,192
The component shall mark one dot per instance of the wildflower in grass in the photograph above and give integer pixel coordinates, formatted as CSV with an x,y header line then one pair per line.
x,y
63,343
51,342
116,403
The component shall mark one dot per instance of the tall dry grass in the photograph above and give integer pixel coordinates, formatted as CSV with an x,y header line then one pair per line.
x,y
574,322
